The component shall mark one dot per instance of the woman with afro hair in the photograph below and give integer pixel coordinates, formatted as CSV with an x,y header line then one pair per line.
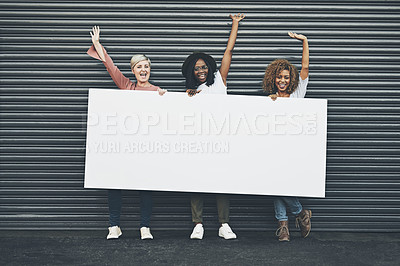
x,y
282,79
201,75
200,70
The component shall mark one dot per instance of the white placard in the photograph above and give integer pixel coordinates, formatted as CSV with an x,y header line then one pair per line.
x,y
206,143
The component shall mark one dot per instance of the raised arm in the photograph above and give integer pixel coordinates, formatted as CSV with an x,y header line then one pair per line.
x,y
227,58
96,42
305,61
97,51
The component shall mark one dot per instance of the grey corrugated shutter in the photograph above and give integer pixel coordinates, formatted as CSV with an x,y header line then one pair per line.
x,y
46,74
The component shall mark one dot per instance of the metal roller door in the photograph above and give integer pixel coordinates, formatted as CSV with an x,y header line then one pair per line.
x,y
46,74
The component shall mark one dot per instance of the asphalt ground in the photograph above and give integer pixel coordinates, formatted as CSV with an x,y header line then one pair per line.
x,y
175,248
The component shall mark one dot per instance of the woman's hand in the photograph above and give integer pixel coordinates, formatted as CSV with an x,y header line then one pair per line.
x,y
273,96
161,92
95,35
294,35
192,92
237,17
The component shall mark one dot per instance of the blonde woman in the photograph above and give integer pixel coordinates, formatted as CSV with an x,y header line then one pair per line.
x,y
140,67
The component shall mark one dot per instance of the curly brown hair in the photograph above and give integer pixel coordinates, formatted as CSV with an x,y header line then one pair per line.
x,y
276,67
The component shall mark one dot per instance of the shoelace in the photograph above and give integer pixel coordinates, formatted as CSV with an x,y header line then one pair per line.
x,y
278,231
300,221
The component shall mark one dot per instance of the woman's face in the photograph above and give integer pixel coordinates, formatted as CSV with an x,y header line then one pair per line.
x,y
142,71
201,71
282,80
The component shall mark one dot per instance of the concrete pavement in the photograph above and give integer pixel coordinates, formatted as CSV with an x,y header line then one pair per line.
x,y
175,248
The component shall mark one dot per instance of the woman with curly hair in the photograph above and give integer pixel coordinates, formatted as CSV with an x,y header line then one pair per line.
x,y
277,66
282,79
201,74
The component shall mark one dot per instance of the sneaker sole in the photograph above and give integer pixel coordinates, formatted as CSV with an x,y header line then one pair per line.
x,y
198,238
227,238
113,237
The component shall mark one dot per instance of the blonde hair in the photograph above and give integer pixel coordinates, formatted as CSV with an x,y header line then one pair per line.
x,y
138,58
276,67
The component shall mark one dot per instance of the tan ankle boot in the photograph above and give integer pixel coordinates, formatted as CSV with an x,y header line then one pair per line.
x,y
303,220
283,231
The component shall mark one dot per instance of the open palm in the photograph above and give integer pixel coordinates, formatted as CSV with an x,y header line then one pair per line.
x,y
297,36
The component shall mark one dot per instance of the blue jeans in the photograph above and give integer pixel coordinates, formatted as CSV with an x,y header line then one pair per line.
x,y
115,204
280,207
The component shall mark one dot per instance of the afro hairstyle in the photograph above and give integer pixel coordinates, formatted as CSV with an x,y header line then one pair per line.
x,y
188,69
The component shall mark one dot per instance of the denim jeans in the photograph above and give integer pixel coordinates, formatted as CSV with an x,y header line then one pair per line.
x,y
280,204
115,204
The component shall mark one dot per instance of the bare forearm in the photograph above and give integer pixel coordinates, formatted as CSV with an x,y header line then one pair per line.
x,y
305,61
227,58
99,50
232,36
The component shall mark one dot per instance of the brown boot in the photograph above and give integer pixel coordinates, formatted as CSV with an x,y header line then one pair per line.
x,y
283,231
303,220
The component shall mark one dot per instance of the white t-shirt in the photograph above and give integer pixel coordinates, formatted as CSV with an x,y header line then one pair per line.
x,y
218,87
300,91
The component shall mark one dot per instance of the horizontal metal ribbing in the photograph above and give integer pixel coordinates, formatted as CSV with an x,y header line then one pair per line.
x,y
45,75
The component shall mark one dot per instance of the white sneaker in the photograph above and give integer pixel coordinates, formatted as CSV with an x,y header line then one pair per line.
x,y
198,232
226,232
114,232
145,233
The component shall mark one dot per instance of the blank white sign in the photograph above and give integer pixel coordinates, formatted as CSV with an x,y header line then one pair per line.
x,y
206,143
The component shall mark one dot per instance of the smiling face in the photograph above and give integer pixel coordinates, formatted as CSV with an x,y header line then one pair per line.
x,y
201,71
282,80
142,71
